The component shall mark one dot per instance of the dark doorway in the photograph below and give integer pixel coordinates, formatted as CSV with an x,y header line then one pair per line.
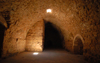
x,y
53,38
2,29
78,46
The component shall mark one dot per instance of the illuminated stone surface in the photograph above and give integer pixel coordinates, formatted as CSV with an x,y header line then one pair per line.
x,y
72,17
34,38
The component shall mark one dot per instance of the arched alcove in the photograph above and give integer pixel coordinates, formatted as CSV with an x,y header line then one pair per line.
x,y
2,29
53,37
78,45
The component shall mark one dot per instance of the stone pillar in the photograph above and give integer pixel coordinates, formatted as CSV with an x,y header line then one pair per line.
x,y
34,39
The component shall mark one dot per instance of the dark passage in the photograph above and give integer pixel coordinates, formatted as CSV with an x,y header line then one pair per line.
x,y
78,47
2,29
53,38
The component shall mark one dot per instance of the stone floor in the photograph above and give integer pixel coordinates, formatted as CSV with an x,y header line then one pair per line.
x,y
47,56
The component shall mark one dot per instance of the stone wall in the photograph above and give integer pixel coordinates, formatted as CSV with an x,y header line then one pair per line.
x,y
72,17
3,21
34,38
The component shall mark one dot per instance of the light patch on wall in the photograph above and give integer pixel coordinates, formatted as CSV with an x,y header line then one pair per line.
x,y
49,10
35,53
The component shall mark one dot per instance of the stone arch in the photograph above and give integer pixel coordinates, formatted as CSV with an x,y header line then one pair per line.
x,y
52,30
67,36
78,43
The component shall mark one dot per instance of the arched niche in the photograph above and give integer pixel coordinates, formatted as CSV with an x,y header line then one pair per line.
x,y
78,44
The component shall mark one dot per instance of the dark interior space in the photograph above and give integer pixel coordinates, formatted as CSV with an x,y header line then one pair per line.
x,y
78,46
53,38
2,29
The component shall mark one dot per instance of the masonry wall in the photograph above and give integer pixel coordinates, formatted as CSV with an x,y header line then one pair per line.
x,y
71,17
34,38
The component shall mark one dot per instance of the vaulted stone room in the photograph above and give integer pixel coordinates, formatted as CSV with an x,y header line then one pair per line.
x,y
49,31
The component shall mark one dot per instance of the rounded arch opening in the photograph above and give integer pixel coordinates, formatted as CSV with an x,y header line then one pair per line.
x,y
53,38
78,45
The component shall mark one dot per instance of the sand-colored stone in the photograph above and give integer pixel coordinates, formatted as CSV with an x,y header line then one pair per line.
x,y
71,17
